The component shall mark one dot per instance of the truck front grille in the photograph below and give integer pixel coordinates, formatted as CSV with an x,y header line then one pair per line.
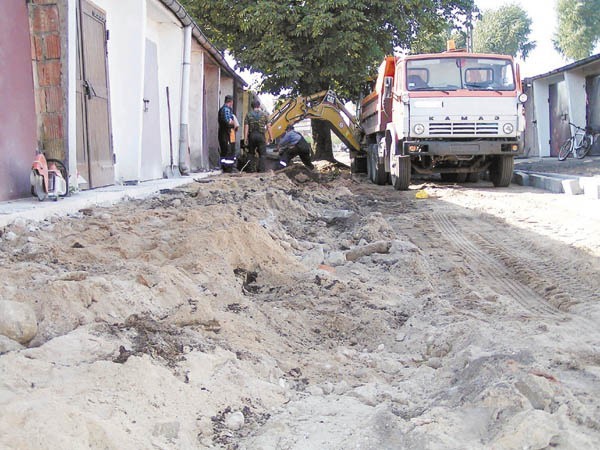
x,y
463,128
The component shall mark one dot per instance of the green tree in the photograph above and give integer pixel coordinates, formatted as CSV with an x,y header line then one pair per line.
x,y
505,31
578,29
306,46
435,42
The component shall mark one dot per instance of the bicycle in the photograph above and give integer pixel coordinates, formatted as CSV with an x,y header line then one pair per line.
x,y
579,144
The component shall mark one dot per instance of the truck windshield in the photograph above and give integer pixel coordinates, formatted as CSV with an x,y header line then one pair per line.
x,y
450,74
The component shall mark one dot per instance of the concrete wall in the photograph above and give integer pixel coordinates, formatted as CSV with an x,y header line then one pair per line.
x,y
198,148
213,103
126,24
542,115
130,23
168,34
575,81
226,88
530,142
538,120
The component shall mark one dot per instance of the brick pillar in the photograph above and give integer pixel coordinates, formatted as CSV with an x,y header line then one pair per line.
x,y
48,32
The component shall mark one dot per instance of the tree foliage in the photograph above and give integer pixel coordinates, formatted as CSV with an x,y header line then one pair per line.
x,y
306,46
435,42
505,31
578,28
310,45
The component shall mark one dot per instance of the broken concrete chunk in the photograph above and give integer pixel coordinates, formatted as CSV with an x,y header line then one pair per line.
x,y
369,249
17,321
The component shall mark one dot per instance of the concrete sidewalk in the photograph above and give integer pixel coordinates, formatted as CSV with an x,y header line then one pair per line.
x,y
32,209
572,176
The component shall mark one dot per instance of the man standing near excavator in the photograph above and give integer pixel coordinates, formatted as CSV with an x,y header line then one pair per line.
x,y
256,124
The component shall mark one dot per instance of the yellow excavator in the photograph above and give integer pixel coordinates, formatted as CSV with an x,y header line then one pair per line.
x,y
323,105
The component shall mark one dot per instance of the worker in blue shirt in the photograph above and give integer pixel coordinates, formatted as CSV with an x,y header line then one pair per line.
x,y
226,143
293,144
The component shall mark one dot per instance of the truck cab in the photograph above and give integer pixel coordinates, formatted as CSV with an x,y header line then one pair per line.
x,y
454,113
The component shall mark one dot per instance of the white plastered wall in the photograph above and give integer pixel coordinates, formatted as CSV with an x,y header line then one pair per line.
x,y
72,92
575,81
226,85
165,29
576,94
198,154
129,23
213,103
542,115
125,21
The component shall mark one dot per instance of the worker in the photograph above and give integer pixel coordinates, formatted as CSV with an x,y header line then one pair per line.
x,y
293,144
256,124
227,123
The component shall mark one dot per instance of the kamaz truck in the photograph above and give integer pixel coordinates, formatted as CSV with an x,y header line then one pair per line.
x,y
455,113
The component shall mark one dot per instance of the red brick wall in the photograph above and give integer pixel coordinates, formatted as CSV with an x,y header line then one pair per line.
x,y
48,32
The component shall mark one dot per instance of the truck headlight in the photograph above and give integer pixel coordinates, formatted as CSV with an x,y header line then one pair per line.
x,y
419,128
523,98
508,128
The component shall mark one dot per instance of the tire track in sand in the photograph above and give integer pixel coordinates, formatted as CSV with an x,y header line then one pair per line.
x,y
496,274
500,278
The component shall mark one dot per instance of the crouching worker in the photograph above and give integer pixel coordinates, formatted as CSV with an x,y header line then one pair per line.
x,y
293,144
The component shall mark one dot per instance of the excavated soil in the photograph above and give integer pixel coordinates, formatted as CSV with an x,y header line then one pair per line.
x,y
308,310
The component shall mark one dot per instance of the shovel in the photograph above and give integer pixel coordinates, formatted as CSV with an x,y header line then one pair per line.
x,y
172,171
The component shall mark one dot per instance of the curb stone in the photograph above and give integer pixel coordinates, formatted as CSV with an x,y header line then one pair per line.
x,y
559,184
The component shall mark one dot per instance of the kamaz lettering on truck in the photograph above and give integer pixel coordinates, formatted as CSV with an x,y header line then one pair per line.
x,y
457,114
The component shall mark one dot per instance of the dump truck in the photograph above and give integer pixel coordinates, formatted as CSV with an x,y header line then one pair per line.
x,y
455,113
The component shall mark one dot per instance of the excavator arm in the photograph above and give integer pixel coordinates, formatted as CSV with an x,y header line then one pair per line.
x,y
323,105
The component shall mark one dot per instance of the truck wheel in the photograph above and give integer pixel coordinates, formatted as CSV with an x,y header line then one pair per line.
x,y
401,182
370,162
381,176
501,170
377,173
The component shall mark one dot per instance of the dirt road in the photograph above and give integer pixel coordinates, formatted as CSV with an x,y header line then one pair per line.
x,y
307,310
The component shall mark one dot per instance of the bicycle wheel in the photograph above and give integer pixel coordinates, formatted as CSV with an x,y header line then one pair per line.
x,y
565,149
584,147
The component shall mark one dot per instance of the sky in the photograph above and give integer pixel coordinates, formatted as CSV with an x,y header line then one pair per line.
x,y
543,15
541,60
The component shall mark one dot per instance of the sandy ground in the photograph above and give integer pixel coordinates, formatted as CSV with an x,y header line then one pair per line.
x,y
305,310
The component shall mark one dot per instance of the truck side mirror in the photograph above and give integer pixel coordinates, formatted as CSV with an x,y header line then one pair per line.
x,y
387,88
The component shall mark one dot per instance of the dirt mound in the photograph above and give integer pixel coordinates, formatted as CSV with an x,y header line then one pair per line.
x,y
304,309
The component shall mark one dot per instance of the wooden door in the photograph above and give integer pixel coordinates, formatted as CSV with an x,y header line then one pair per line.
x,y
560,130
83,163
94,139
